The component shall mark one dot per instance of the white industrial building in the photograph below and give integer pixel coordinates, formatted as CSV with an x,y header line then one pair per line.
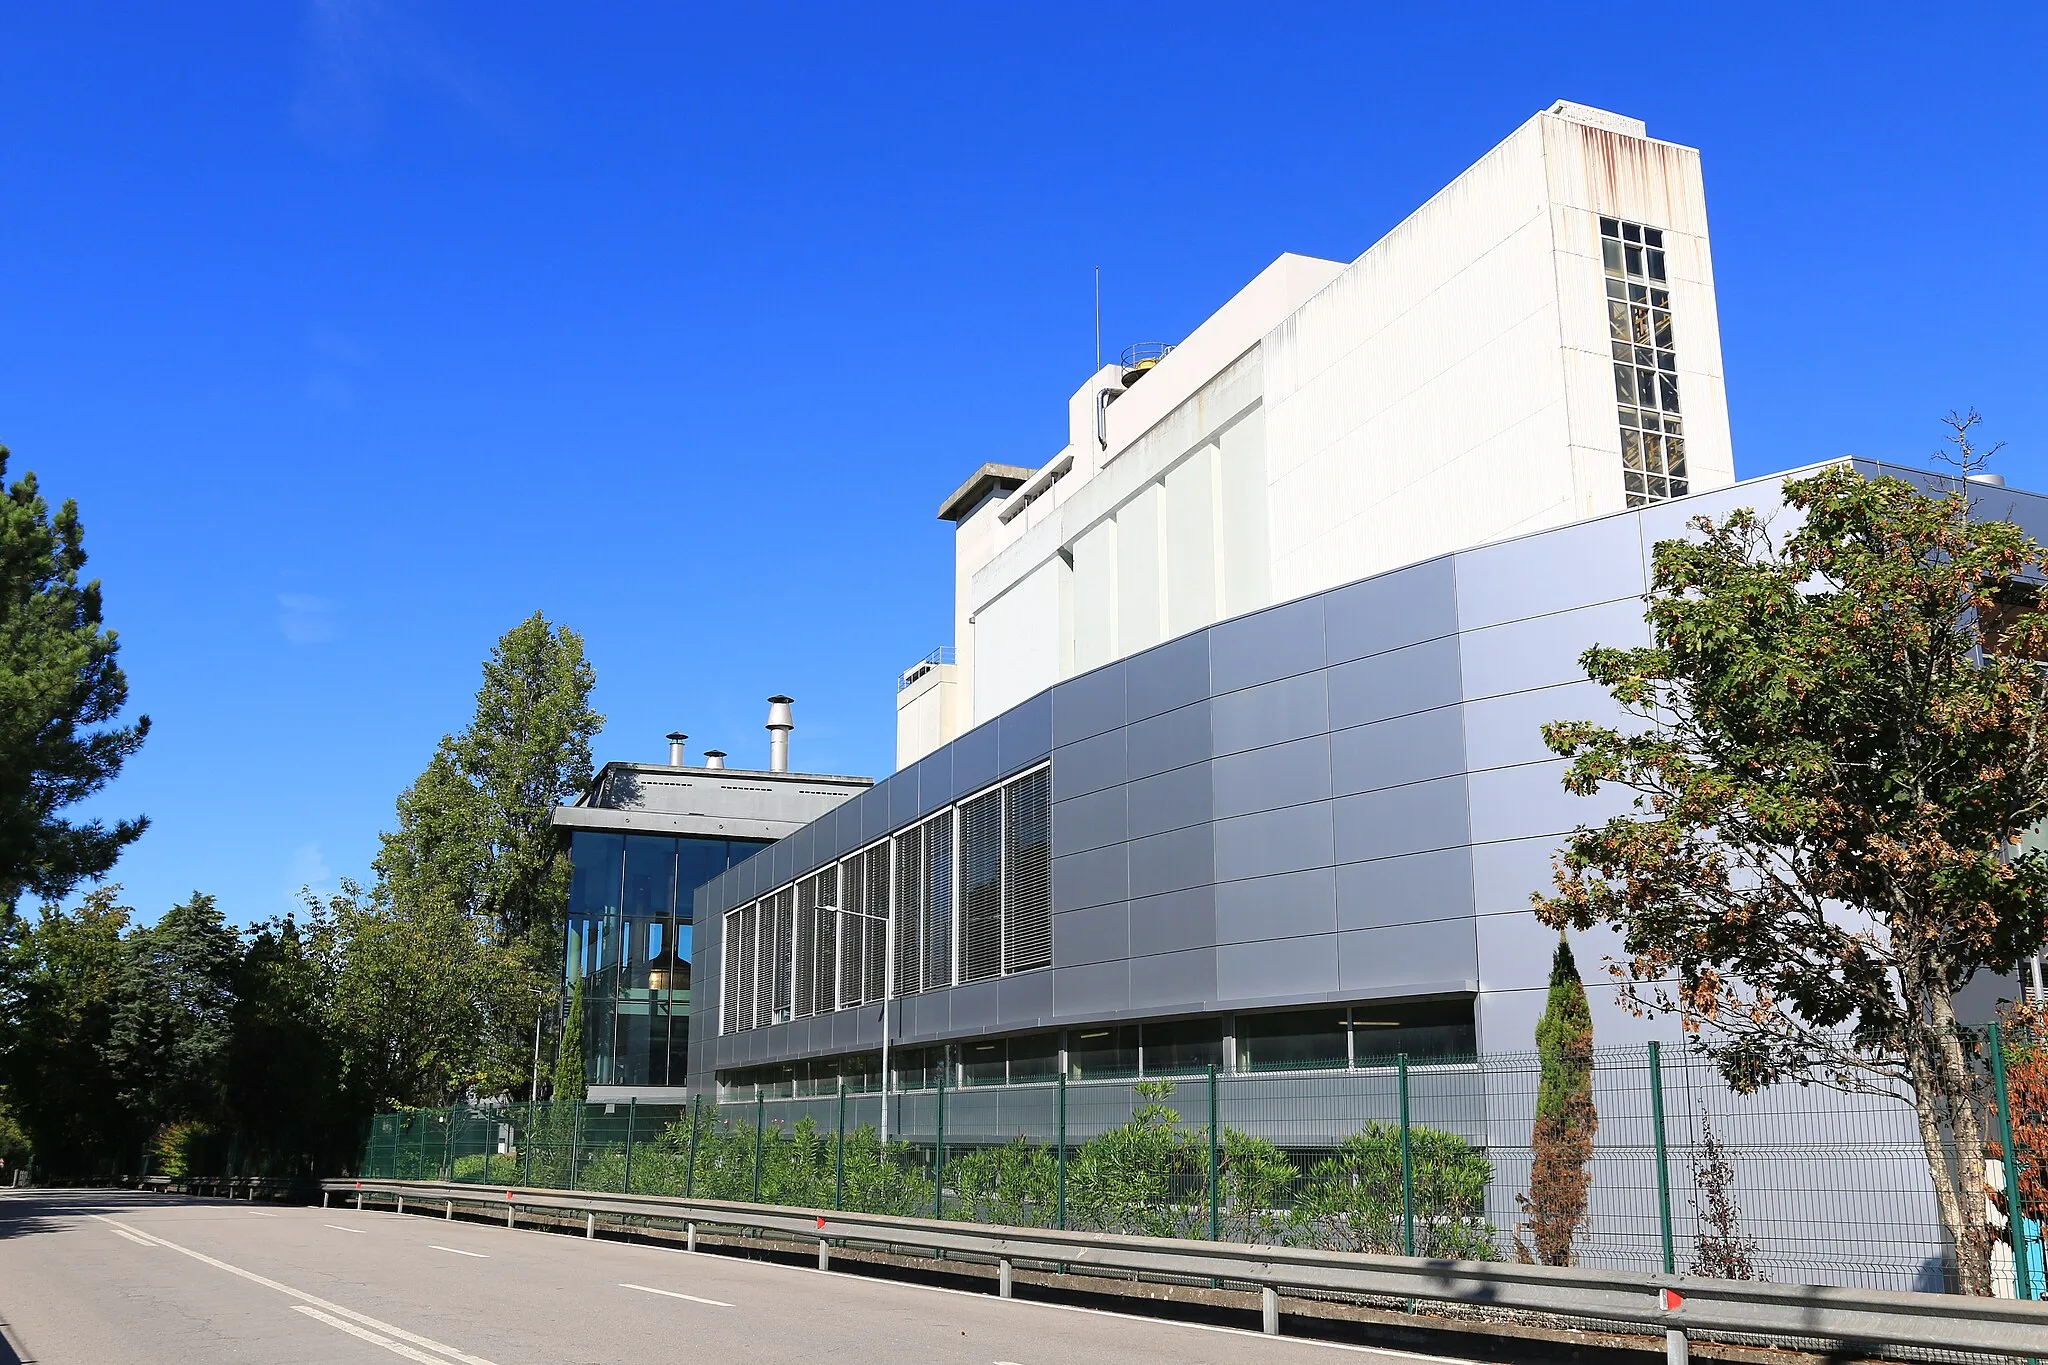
x,y
1511,358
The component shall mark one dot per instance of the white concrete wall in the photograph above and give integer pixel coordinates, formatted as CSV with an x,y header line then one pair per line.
x,y
1450,387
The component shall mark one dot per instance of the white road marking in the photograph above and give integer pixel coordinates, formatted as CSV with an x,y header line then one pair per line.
x,y
396,1347
672,1294
302,1296
339,1228
123,1232
480,1255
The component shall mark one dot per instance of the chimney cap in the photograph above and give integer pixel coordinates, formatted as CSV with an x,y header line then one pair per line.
x,y
714,753
675,735
778,713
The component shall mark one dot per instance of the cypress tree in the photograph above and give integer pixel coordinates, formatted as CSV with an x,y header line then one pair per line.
x,y
1561,1142
570,1081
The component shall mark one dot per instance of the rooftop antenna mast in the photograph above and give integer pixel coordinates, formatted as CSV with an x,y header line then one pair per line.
x,y
1098,317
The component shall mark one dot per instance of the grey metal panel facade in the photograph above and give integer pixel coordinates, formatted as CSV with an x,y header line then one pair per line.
x,y
1341,798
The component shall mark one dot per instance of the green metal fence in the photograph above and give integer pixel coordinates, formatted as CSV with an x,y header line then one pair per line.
x,y
1431,1158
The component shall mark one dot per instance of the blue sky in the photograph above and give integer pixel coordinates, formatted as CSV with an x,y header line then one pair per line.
x,y
362,330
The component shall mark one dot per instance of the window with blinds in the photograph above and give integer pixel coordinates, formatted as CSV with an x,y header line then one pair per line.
x,y
981,887
749,942
824,887
853,941
1027,872
874,877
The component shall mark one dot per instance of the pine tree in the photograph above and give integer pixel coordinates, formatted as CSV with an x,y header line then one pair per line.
x,y
1561,1142
59,686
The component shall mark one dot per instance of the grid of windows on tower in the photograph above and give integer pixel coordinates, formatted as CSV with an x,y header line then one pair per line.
x,y
963,895
1645,362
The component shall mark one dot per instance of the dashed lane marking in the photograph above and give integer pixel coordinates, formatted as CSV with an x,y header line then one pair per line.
x,y
672,1294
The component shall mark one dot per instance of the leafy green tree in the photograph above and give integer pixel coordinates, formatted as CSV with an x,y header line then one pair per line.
x,y
1561,1140
60,980
1836,743
285,1097
172,1023
527,751
60,686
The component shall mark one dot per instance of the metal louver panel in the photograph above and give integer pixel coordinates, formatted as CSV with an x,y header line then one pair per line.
x,y
729,975
825,895
1027,872
749,976
875,876
852,942
907,913
806,949
981,888
937,895
776,956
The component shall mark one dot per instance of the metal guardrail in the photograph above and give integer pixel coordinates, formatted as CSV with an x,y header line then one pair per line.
x,y
1672,1304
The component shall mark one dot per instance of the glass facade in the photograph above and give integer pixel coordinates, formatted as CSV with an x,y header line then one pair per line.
x,y
630,947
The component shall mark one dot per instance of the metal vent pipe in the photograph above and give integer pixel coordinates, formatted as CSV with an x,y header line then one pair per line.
x,y
714,758
675,748
779,726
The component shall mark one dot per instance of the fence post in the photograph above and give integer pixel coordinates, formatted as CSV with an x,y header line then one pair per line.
x,y
575,1144
760,1124
939,1150
690,1169
1060,1160
1663,1156
2015,1216
1215,1208
632,1110
839,1153
1407,1165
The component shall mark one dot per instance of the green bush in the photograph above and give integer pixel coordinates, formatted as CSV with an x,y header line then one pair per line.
x,y
1015,1185
488,1168
1149,1177
1351,1200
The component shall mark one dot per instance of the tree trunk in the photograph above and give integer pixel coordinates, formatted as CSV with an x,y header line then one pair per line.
x,y
1943,1091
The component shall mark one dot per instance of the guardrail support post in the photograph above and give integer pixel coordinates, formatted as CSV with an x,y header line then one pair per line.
x,y
448,1212
824,1254
1663,1156
1407,1165
323,1199
2015,1216
401,1203
1269,1310
509,1207
589,1227
689,1236
690,1170
1676,1349
359,1201
1005,1270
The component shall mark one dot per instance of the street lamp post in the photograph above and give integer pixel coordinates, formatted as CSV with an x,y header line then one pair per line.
x,y
888,992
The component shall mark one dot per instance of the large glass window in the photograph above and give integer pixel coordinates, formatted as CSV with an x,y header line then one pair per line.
x,y
1294,1040
1183,1046
1424,1028
984,1061
1639,331
1111,1050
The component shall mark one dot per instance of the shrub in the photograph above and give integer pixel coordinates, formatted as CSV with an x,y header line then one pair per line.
x,y
1351,1200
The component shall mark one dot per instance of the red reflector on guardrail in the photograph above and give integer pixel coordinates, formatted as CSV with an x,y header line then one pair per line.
x,y
821,1222
1673,1299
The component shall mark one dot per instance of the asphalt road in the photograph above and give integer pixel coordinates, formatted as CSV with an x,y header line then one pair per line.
x,y
109,1277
